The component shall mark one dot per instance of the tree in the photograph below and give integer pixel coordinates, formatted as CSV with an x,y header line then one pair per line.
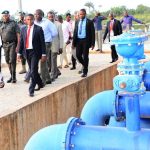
x,y
118,11
142,9
89,5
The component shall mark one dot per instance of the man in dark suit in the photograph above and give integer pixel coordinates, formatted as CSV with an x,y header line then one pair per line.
x,y
83,39
113,28
32,45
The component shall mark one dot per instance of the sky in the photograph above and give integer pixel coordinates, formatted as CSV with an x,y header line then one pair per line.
x,y
62,6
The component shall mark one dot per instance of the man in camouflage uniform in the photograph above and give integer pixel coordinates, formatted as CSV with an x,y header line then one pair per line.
x,y
21,23
10,33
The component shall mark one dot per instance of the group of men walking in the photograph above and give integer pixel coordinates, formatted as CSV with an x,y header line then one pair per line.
x,y
36,39
40,40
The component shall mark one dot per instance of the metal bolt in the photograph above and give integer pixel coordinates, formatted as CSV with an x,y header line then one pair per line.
x,y
78,124
122,85
73,133
72,145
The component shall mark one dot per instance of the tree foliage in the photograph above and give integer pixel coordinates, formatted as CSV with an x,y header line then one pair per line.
x,y
89,5
141,12
141,9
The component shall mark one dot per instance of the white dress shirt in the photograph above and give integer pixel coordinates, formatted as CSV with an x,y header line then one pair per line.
x,y
66,30
111,31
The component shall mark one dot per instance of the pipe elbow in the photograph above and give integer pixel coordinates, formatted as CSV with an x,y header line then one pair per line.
x,y
98,108
45,139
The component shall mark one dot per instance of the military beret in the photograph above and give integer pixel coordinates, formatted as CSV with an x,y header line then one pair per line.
x,y
21,13
6,12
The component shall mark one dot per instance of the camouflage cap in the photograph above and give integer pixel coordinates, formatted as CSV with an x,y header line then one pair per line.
x,y
6,12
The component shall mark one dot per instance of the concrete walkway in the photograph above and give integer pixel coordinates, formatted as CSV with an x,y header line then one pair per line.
x,y
15,96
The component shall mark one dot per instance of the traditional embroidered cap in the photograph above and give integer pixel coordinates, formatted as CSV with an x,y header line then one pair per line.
x,y
6,12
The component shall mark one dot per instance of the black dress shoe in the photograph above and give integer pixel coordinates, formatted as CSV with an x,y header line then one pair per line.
x,y
53,79
9,81
26,80
84,75
13,81
115,59
49,82
59,73
72,68
112,61
31,94
39,87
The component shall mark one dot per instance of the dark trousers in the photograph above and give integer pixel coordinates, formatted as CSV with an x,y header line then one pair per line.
x,y
114,54
33,62
73,61
23,60
28,75
0,58
82,53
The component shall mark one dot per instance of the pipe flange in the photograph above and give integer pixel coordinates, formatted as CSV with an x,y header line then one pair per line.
x,y
118,114
69,131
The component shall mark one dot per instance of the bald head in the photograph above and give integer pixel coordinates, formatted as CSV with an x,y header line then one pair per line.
x,y
38,15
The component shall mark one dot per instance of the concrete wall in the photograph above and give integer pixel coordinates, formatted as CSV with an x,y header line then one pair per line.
x,y
17,128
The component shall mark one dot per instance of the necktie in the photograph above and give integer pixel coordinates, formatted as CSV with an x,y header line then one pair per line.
x,y
28,35
111,25
80,28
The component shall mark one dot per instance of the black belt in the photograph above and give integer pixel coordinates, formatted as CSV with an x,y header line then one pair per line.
x,y
82,39
29,49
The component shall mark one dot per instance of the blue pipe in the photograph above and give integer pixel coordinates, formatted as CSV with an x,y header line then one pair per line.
x,y
98,108
144,104
144,122
132,112
84,137
101,106
146,76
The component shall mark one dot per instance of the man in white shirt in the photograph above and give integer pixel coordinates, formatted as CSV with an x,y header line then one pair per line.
x,y
50,32
66,35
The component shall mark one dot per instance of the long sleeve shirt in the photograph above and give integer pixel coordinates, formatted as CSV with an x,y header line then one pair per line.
x,y
127,21
98,22
50,30
66,30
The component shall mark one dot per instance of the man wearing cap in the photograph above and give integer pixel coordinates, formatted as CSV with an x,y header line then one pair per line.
x,y
10,33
